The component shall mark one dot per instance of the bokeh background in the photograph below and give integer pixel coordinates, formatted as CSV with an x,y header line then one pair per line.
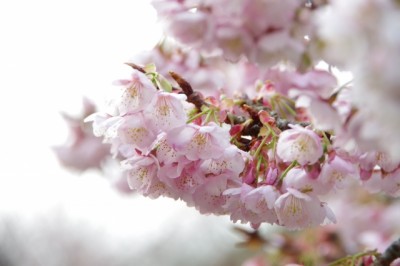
x,y
53,53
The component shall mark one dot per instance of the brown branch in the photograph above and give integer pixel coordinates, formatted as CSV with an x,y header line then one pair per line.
x,y
389,255
192,96
137,67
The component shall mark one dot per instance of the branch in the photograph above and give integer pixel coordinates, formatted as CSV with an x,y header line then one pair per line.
x,y
390,254
192,96
137,67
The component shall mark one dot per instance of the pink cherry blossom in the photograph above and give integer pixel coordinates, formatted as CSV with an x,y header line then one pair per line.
x,y
229,162
83,150
320,82
184,185
297,210
234,205
299,179
83,153
134,130
324,116
234,41
166,111
343,103
141,173
273,47
321,113
371,159
199,142
171,163
259,15
209,198
104,125
384,182
299,144
260,201
254,205
337,173
190,28
137,94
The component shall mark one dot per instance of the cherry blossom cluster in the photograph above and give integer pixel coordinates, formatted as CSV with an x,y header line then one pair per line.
x,y
257,160
164,154
263,31
360,36
265,139
268,159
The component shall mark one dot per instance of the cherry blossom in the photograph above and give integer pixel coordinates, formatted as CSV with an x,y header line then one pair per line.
x,y
183,185
167,111
337,172
103,124
230,162
297,210
259,203
299,144
138,93
190,28
247,204
83,150
142,175
209,198
300,180
199,142
369,160
384,182
134,130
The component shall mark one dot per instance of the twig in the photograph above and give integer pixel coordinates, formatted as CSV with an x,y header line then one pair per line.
x,y
389,255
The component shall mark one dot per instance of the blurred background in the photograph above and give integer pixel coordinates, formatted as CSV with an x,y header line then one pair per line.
x,y
52,54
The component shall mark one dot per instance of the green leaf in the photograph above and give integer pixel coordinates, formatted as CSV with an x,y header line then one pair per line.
x,y
150,68
163,83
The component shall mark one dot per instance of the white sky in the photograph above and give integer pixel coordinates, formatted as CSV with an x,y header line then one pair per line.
x,y
52,53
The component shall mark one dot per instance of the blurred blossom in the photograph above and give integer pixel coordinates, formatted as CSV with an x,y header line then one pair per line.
x,y
266,32
82,150
361,36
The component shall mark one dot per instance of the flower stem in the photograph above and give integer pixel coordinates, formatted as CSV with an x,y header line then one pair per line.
x,y
260,146
353,258
293,164
206,111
